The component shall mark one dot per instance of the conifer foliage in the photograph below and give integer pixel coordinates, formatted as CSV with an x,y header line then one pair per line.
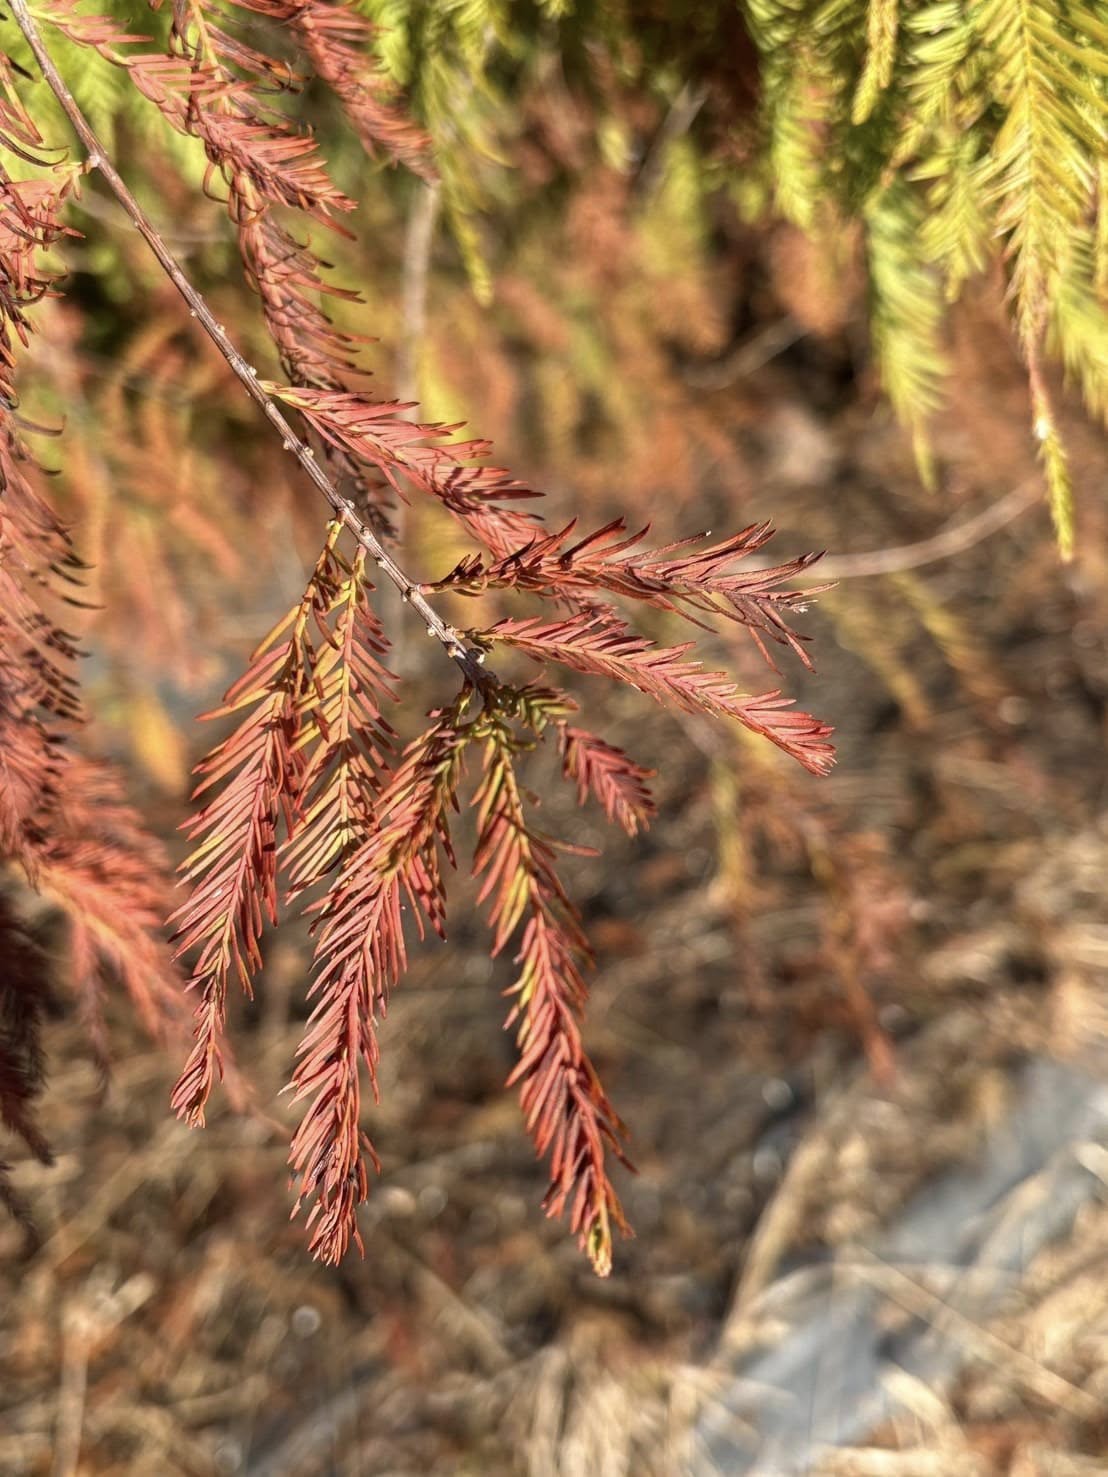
x,y
63,820
944,138
958,134
310,795
941,140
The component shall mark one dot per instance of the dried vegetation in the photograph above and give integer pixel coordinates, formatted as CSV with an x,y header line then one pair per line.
x,y
813,1003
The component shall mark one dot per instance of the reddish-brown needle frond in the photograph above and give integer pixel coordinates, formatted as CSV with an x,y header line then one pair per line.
x,y
600,644
407,453
345,740
701,582
360,955
567,1111
607,773
256,774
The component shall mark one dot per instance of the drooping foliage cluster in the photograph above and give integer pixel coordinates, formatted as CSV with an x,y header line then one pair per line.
x,y
961,137
311,791
932,144
939,141
63,819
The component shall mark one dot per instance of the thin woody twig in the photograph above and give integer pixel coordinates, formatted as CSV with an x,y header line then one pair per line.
x,y
748,356
677,122
952,539
467,659
419,240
